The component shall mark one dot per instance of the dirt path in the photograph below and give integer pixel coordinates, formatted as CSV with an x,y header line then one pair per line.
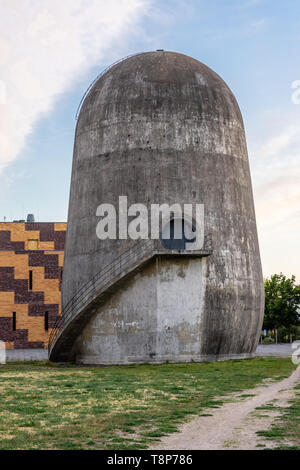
x,y
232,426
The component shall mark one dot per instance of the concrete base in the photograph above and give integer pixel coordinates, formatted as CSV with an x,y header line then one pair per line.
x,y
95,360
279,350
21,355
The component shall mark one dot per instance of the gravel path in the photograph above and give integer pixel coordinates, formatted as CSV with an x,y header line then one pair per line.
x,y
232,426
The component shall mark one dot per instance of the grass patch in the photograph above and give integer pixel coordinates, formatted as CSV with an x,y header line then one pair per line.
x,y
48,406
286,430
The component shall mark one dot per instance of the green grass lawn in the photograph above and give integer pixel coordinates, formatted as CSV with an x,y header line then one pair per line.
x,y
48,406
285,432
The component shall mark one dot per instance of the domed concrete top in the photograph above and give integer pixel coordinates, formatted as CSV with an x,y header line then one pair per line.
x,y
164,82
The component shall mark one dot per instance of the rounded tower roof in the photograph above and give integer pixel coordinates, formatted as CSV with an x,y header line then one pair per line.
x,y
175,79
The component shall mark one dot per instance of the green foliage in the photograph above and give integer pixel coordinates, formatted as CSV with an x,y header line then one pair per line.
x,y
268,340
286,429
285,334
282,299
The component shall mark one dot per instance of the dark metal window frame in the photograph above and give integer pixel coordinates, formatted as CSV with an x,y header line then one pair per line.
x,y
167,243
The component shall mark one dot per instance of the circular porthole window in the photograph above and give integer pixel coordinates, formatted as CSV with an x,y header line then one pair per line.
x,y
177,233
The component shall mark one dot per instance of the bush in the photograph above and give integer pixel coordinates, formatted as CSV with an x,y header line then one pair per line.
x,y
268,340
284,334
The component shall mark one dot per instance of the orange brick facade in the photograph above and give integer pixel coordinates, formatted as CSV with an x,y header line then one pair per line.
x,y
31,262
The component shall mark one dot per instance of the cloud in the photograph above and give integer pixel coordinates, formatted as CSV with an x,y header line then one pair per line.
x,y
278,143
46,46
276,176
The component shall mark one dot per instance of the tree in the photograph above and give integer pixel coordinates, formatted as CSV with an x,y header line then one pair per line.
x,y
282,300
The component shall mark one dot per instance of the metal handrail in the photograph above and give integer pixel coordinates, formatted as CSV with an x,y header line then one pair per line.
x,y
97,78
102,279
97,284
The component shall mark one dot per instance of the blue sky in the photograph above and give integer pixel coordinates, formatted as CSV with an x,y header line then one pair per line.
x,y
252,44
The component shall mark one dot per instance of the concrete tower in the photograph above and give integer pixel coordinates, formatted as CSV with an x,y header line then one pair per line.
x,y
160,127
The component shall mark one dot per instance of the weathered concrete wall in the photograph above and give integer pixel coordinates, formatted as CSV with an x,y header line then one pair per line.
x,y
160,128
149,318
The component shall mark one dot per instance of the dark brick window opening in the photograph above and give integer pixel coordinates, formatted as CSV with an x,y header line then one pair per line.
x,y
46,321
14,322
30,280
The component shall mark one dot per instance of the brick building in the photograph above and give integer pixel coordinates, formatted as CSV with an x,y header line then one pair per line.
x,y
31,261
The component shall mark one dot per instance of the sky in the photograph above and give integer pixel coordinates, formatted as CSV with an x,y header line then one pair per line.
x,y
51,50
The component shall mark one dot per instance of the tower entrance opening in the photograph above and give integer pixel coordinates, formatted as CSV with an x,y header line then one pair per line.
x,y
177,233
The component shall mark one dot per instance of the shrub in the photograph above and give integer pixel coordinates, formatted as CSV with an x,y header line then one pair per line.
x,y
268,340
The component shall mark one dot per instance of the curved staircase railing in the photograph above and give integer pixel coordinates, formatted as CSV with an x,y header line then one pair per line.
x,y
98,284
121,266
